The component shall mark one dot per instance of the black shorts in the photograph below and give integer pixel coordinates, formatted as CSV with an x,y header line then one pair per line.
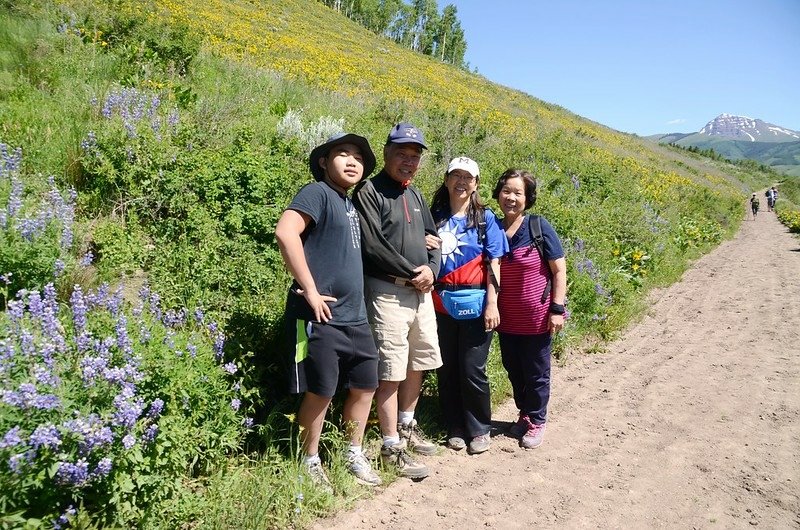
x,y
326,355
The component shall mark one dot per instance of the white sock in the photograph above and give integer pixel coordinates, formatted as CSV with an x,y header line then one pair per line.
x,y
389,441
354,450
405,417
310,460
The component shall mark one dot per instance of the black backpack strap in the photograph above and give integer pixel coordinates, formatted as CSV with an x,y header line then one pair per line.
x,y
482,237
537,240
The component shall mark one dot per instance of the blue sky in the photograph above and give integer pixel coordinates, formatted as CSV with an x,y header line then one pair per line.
x,y
643,66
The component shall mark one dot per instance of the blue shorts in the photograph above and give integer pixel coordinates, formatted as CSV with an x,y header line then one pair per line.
x,y
326,356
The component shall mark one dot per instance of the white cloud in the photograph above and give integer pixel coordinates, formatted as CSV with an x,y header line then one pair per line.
x,y
676,121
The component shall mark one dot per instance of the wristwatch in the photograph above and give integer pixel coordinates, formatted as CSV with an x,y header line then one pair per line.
x,y
557,309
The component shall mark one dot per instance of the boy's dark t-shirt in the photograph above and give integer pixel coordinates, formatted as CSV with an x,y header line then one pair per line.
x,y
332,246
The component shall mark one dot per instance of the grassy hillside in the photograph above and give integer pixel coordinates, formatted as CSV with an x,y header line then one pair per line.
x,y
165,139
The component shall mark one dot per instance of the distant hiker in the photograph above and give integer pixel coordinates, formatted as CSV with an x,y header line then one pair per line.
x,y
399,274
770,194
318,235
531,302
465,297
754,205
774,196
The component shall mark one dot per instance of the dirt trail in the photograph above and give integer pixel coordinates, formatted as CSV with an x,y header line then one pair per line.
x,y
689,420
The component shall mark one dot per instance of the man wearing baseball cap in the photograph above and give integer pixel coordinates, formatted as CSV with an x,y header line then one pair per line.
x,y
399,273
318,235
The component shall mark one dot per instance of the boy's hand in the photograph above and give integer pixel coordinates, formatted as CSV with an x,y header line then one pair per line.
x,y
322,313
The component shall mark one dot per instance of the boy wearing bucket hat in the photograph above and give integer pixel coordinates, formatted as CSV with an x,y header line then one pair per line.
x,y
319,238
399,274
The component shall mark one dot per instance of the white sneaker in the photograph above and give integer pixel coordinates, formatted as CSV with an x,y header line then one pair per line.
x,y
319,478
360,468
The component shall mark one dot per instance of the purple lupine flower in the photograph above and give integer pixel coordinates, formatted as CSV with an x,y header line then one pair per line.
x,y
156,407
46,402
236,403
575,182
230,367
15,462
247,422
128,441
15,198
219,345
45,376
579,245
97,437
58,267
103,468
150,434
79,308
46,436
83,342
6,278
63,519
127,411
87,259
11,438
192,349
73,474
15,310
123,341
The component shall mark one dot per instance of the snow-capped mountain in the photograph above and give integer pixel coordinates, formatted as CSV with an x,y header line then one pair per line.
x,y
748,129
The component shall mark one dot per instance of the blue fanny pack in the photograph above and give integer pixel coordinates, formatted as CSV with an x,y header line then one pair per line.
x,y
464,304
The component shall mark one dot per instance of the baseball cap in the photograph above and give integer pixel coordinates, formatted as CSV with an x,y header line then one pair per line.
x,y
337,139
465,164
406,133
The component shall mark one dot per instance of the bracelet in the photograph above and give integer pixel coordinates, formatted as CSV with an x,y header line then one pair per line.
x,y
557,309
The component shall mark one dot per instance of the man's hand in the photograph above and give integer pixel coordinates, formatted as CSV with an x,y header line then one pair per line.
x,y
322,313
423,279
432,242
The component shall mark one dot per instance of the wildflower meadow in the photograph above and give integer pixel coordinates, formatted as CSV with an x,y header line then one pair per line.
x,y
147,150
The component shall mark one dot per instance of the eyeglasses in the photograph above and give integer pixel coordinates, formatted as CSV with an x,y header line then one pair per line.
x,y
469,179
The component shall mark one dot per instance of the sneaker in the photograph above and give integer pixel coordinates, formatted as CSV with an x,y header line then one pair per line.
x,y
397,456
360,468
534,436
519,429
480,444
319,478
416,439
456,443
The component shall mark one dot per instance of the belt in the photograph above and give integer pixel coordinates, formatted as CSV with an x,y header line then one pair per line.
x,y
457,287
393,279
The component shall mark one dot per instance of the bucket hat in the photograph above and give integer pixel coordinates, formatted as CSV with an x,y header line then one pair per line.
x,y
338,139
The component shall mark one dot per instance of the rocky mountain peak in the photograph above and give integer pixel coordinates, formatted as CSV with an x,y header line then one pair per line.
x,y
748,129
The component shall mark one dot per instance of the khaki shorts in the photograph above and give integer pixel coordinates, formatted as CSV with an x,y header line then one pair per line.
x,y
404,326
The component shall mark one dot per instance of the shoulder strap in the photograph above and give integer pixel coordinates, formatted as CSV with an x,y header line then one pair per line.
x,y
485,244
537,240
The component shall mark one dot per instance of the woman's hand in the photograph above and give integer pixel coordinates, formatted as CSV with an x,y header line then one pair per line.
x,y
432,242
491,316
556,323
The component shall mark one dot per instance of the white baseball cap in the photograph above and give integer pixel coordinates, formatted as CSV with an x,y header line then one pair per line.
x,y
465,164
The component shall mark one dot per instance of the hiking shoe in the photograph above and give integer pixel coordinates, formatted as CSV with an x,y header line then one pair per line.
x,y
319,478
397,456
416,439
480,444
456,443
360,468
533,437
519,429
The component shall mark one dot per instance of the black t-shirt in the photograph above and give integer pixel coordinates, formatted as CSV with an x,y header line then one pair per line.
x,y
332,246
